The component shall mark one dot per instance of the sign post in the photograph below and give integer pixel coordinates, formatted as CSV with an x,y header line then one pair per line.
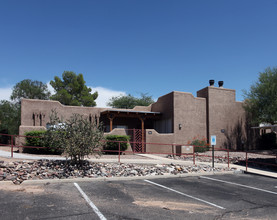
x,y
213,143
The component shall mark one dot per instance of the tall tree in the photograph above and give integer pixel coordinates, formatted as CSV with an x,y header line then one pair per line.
x,y
261,99
9,117
71,90
129,101
30,90
10,111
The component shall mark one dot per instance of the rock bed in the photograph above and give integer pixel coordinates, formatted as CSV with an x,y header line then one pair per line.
x,y
221,157
201,158
19,171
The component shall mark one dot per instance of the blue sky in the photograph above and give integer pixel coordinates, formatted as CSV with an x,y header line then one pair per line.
x,y
138,46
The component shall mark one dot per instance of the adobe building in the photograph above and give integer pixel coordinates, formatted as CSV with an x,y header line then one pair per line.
x,y
176,118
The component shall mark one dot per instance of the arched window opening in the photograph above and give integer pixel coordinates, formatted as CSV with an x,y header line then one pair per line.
x,y
34,119
40,119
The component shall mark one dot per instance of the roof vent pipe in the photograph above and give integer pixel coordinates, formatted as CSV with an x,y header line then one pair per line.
x,y
220,84
211,82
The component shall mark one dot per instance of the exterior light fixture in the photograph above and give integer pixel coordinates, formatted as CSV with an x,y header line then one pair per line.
x,y
180,126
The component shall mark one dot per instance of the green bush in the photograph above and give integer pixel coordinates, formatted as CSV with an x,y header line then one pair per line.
x,y
112,142
267,141
36,139
200,145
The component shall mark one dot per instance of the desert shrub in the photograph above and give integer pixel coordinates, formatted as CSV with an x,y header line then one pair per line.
x,y
76,138
267,141
200,145
112,142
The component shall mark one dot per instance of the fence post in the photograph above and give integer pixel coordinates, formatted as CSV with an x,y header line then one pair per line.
x,y
118,152
246,162
172,149
228,158
134,140
193,155
213,156
11,146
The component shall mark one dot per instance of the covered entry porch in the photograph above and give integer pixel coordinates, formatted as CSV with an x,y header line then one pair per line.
x,y
133,122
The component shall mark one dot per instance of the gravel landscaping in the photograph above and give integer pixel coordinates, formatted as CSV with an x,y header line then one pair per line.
x,y
18,171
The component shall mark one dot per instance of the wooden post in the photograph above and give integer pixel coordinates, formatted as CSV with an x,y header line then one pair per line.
x,y
111,117
111,124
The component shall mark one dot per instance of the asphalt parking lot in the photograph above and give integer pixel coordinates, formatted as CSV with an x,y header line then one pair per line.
x,y
238,196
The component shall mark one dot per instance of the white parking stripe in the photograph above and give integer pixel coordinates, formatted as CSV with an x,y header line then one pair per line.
x,y
192,197
237,184
95,209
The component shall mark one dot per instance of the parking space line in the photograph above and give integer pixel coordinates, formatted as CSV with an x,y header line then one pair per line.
x,y
192,197
95,209
237,184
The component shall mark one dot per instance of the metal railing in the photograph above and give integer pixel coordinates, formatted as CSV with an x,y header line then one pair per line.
x,y
249,158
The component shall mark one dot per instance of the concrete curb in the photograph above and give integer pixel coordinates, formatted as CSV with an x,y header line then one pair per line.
x,y
100,179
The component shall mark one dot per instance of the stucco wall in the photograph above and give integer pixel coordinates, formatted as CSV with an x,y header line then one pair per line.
x,y
189,117
158,143
164,105
37,112
224,112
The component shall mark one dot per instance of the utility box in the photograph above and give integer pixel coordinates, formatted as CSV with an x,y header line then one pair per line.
x,y
183,150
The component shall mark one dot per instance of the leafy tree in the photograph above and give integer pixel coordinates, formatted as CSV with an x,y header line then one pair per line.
x,y
261,99
30,90
71,90
129,101
9,117
77,137
10,111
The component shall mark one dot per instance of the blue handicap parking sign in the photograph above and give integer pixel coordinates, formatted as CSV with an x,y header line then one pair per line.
x,y
213,140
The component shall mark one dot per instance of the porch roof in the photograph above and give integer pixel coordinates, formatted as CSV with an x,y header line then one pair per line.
x,y
129,112
264,126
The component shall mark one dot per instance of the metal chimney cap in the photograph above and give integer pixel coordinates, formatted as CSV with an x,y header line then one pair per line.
x,y
220,84
211,82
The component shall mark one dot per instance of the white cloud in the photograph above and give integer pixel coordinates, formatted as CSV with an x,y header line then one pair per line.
x,y
104,95
50,88
5,93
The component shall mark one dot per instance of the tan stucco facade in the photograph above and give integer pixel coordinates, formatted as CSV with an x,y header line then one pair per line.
x,y
176,118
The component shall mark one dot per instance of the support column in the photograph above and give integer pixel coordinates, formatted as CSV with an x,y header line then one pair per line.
x,y
111,117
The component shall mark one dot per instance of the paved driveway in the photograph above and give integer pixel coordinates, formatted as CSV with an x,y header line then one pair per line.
x,y
240,196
